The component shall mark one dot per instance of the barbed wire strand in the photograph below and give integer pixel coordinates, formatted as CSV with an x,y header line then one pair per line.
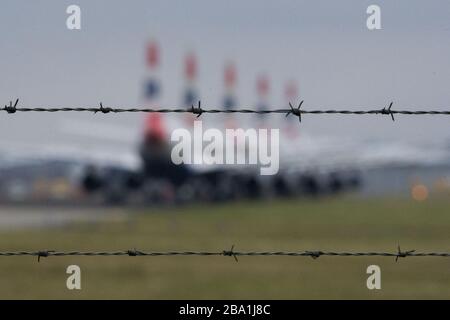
x,y
298,111
226,253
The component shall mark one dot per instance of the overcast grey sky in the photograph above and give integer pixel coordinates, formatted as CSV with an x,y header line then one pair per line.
x,y
324,45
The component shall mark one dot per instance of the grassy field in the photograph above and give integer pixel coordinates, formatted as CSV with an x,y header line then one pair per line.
x,y
334,224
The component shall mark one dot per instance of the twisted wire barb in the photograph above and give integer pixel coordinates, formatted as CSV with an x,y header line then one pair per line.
x,y
226,253
198,111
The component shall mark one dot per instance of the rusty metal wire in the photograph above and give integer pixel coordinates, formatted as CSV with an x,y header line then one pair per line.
x,y
298,111
226,253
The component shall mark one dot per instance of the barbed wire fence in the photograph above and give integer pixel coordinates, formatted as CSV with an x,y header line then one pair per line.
x,y
198,110
225,253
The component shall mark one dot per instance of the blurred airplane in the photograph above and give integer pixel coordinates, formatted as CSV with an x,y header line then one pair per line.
x,y
158,179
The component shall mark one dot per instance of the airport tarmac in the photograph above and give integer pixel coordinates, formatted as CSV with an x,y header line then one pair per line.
x,y
25,217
